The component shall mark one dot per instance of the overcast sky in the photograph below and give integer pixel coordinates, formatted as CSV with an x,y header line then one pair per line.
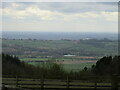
x,y
60,16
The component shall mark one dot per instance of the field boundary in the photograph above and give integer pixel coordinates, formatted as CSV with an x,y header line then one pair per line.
x,y
93,83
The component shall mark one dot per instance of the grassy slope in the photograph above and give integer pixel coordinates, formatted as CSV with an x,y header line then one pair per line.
x,y
68,67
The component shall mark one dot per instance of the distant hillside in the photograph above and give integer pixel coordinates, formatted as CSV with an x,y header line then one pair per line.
x,y
82,47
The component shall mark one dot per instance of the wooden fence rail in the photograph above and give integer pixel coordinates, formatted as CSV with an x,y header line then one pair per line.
x,y
42,83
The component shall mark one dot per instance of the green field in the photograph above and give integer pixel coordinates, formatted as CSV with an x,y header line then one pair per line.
x,y
70,67
68,64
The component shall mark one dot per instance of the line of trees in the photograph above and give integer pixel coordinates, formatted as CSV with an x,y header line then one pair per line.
x,y
11,65
107,65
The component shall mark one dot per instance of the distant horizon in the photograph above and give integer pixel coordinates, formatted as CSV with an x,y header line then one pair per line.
x,y
58,31
58,35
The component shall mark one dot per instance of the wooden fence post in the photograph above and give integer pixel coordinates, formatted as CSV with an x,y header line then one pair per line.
x,y
68,82
42,83
16,81
3,87
95,83
114,82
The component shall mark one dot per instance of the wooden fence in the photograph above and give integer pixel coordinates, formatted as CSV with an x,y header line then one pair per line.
x,y
93,83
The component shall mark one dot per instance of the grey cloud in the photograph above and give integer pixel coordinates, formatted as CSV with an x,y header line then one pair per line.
x,y
78,7
69,7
